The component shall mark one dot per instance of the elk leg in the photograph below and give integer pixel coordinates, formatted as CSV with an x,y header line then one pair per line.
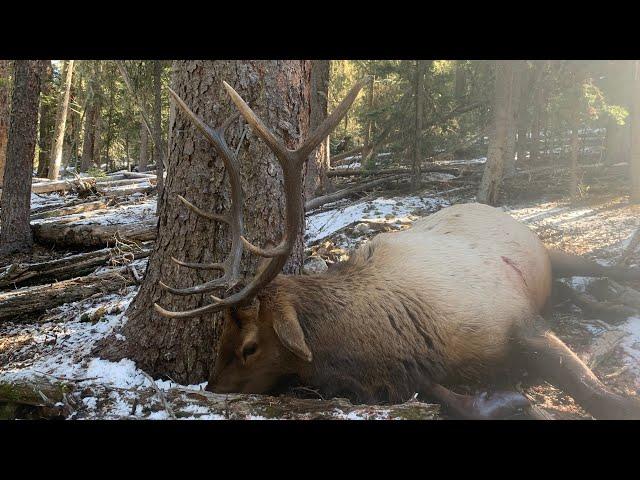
x,y
554,361
483,406
566,265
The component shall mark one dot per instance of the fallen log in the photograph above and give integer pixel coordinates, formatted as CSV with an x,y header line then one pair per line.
x,y
33,398
77,185
602,348
93,235
348,172
127,181
332,197
123,192
607,310
139,175
26,302
68,267
336,159
63,397
73,209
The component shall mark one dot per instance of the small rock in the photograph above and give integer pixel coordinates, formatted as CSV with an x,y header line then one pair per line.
x,y
362,228
313,265
389,216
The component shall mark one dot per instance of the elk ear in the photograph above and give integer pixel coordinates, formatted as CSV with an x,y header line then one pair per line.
x,y
287,327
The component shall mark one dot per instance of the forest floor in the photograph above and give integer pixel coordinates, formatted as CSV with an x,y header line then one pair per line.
x,y
52,349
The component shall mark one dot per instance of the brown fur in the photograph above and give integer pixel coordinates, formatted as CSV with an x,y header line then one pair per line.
x,y
438,303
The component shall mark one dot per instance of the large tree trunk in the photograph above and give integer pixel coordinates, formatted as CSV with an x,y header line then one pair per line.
x,y
159,147
4,112
520,74
89,137
635,133
46,123
91,131
417,134
61,121
539,104
144,148
460,86
15,233
491,179
316,180
575,151
279,92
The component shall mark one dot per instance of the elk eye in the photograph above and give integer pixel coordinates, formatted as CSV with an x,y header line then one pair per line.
x,y
249,350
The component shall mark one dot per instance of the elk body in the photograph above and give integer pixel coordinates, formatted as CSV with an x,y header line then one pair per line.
x,y
457,297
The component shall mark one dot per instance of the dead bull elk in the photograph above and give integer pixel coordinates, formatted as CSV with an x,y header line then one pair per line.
x,y
456,297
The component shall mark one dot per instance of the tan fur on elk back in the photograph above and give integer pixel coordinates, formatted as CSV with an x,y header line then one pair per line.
x,y
452,287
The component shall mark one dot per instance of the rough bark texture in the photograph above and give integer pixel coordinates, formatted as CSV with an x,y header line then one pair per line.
x,y
24,303
417,134
575,151
144,148
46,122
635,133
519,77
539,104
316,180
490,185
61,122
69,234
4,112
91,123
15,233
278,91
159,147
460,87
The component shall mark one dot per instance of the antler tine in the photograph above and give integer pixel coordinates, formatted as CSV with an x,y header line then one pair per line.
x,y
202,213
199,266
329,123
301,153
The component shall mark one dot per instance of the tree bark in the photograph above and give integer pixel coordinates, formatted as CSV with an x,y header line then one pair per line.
x,y
15,233
24,303
46,123
460,86
157,125
4,112
91,122
635,133
72,235
61,121
417,134
279,92
491,179
144,148
366,144
575,151
316,180
519,78
539,104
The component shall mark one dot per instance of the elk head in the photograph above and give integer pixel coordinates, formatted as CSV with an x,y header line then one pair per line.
x,y
262,340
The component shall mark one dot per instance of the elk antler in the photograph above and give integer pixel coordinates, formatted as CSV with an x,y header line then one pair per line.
x,y
291,162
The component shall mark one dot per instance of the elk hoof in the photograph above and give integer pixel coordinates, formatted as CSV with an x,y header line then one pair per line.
x,y
496,405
